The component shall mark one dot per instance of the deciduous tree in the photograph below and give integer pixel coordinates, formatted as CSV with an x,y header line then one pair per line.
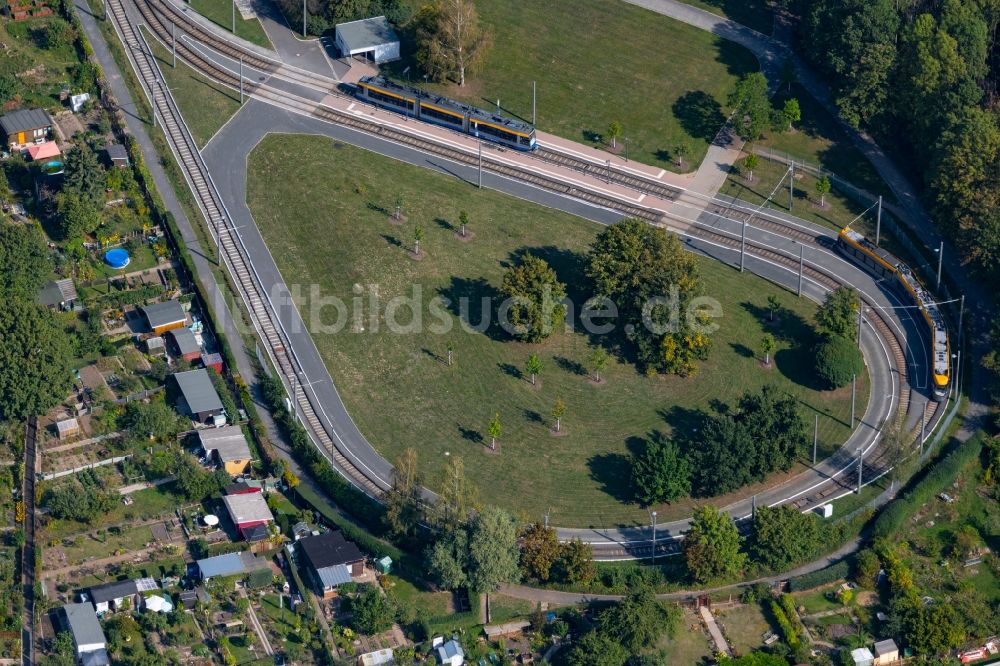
x,y
751,108
450,40
783,536
534,299
533,366
767,344
712,545
838,360
540,549
403,501
371,611
660,471
493,551
838,315
639,620
650,278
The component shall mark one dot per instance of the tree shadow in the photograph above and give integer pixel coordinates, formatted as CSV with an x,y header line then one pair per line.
x,y
570,366
742,350
378,208
798,365
533,416
737,59
613,471
699,114
591,136
718,406
470,435
685,424
444,224
392,240
472,300
511,370
788,327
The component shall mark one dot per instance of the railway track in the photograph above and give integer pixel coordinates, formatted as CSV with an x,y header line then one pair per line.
x,y
230,245
251,290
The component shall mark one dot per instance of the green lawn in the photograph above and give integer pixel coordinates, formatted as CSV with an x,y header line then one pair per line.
x,y
744,627
220,12
323,212
819,140
205,104
597,61
754,14
815,601
838,209
505,609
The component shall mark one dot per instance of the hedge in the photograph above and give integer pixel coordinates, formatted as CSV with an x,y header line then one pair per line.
x,y
785,625
937,478
841,569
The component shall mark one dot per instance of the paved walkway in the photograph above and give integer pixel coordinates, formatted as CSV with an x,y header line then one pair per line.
x,y
720,641
255,623
309,54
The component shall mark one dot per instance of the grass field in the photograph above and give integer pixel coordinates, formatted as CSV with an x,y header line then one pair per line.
x,y
838,209
324,213
596,62
744,627
220,13
818,139
205,104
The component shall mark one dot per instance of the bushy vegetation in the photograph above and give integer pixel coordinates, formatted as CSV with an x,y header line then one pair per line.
x,y
941,474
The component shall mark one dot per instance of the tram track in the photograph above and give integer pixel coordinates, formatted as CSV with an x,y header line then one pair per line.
x,y
251,291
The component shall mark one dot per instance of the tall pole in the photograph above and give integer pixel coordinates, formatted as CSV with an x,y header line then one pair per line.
x,y
923,422
608,175
154,108
961,316
753,506
878,222
854,394
861,464
743,244
234,17
653,520
815,437
940,264
241,80
861,317
791,187
303,19
480,163
802,249
626,149
173,43
958,373
534,106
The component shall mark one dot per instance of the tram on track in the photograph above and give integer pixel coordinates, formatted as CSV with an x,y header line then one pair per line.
x,y
446,112
887,266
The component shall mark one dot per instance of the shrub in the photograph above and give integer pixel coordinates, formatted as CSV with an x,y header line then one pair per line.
x,y
810,580
837,361
937,478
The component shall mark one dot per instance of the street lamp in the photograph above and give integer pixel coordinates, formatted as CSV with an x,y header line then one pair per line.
x,y
940,254
653,521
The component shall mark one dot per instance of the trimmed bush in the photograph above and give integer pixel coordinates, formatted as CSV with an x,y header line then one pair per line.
x,y
810,580
837,361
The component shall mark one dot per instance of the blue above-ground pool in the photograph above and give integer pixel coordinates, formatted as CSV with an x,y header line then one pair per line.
x,y
117,258
53,168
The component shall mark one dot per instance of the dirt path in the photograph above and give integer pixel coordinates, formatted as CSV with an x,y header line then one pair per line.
x,y
258,629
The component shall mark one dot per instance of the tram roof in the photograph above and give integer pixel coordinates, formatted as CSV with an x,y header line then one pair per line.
x,y
448,104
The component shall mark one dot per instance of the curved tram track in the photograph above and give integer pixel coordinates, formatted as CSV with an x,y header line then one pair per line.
x,y
876,461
